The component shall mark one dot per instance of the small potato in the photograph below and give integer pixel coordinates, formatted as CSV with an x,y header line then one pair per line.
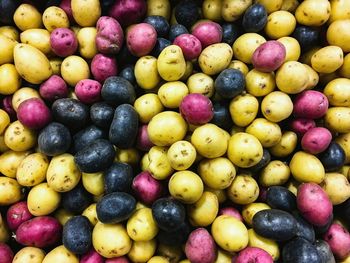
x,y
200,246
250,210
171,63
277,106
232,10
32,170
60,254
159,164
110,36
223,257
270,5
260,84
86,40
336,119
327,59
340,10
63,215
243,109
93,183
158,259
55,17
130,156
313,77
344,141
4,120
286,145
237,64
29,255
148,106
159,8
306,167
56,65
313,12
4,233
267,132
10,32
220,194
26,17
269,245
172,93
90,213
204,211
215,58
86,13
269,56
74,69
141,225
274,173
7,45
188,71
10,80
211,9
316,140
42,200
146,72
39,38
181,155
290,5
243,190
201,83
280,24
10,191
142,251
245,45
338,239
335,38
23,94
10,161
337,187
292,77
19,138
172,253
292,46
337,92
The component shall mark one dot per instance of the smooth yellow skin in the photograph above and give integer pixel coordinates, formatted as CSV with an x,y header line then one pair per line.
x,y
292,77
93,183
327,59
267,132
3,147
340,10
7,45
223,257
60,254
337,187
188,71
338,34
146,72
32,169
260,84
147,106
243,190
292,46
229,233
23,94
344,141
276,106
286,145
337,92
63,215
186,186
280,24
55,17
270,5
313,77
159,164
144,164
86,40
171,63
201,83
243,109
270,246
250,210
142,251
90,213
141,225
26,17
10,191
237,64
275,173
211,9
220,194
158,259
10,80
306,168
290,5
204,211
159,8
245,45
86,13
313,12
336,119
38,38
74,69
10,32
181,155
130,156
232,10
19,138
29,255
215,58
42,200
4,120
344,70
171,94
9,162
56,65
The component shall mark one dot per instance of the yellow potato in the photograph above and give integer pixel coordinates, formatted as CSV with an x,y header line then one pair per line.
x,y
4,120
19,138
74,69
141,225
337,187
292,77
292,46
142,251
55,17
337,120
23,94
280,24
340,10
87,44
10,32
344,141
327,59
171,63
9,162
26,17
3,147
290,5
42,200
270,246
38,38
147,106
204,211
86,13
274,173
220,194
188,71
243,109
10,191
259,83
277,106
243,190
313,77
172,253
130,156
63,215
201,83
211,9
237,64
306,57
90,213
215,58
245,45
10,80
250,210
158,259
270,5
172,93
159,164
7,45
338,34
32,169
144,164
181,155
232,9
286,145
223,257
338,92
313,12
56,65
29,255
4,234
344,70
60,254
93,183
146,72
267,132
159,8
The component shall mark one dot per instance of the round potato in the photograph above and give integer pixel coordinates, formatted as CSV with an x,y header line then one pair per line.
x,y
60,254
142,251
87,44
313,77
269,245
10,191
204,211
10,32
340,10
23,94
7,45
337,92
159,8
141,225
274,173
243,190
280,24
147,106
327,59
245,45
93,183
55,17
19,138
337,187
146,72
215,58
250,210
344,141
29,255
63,215
277,106
86,13
159,164
181,155
243,109
335,38
171,63
9,162
232,10
220,194
286,145
130,156
56,65
292,77
32,170
211,9
267,132
292,46
4,120
313,12
74,69
344,70
26,17
90,213
201,83
259,83
290,5
172,93
336,119
38,38
42,200
10,80
237,64
271,5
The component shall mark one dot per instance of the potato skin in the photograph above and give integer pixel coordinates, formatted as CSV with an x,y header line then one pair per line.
x,y
338,238
336,119
269,56
55,17
39,38
251,253
60,254
11,191
171,63
215,58
200,247
32,170
316,140
306,168
86,13
29,255
110,36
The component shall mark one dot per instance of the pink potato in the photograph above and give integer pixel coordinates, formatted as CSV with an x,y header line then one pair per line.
x,y
143,142
269,56
141,39
314,204
200,247
63,42
338,238
103,67
301,125
34,113
6,105
190,45
91,257
41,231
207,32
253,255
196,109
310,104
88,91
6,253
117,260
110,35
230,211
54,88
316,140
146,188
128,12
17,214
66,6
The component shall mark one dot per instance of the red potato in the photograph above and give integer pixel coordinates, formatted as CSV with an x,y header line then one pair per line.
x,y
91,257
253,255
128,12
269,56
146,188
200,247
143,142
207,32
110,35
88,91
34,113
117,260
141,39
103,67
67,8
54,88
190,45
310,104
301,125
63,42
196,109
231,211
6,105
17,214
314,204
316,140
6,254
338,238
41,231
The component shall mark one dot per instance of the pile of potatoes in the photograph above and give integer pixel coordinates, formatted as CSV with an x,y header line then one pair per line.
x,y
202,131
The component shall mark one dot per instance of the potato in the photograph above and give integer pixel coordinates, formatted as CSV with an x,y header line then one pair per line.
x,y
313,77
181,155
337,92
60,254
158,259
86,40
141,225
63,42
245,46
11,191
74,69
337,187
159,8
276,106
32,169
316,140
10,80
172,253
90,213
4,120
338,238
342,40
148,106
327,59
23,94
274,173
313,12
251,209
343,140
232,10
55,17
269,56
26,17
280,24
208,32
290,5
229,233
38,38
171,63
6,253
243,190
268,133
7,45
211,9
10,161
306,168
42,200
110,36
86,13
215,58
17,214
200,247
146,72
237,64
142,251
336,119
159,165
292,46
29,255
19,138
204,211
243,109
63,215
56,65
266,244
191,45
339,10
10,32
286,145
130,156
251,253
93,183
259,83
286,79
172,93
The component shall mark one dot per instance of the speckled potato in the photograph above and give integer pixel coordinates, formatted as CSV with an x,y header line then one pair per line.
x,y
313,12
211,9
215,58
271,5
90,213
274,173
337,120
327,59
55,17
10,32
159,8
146,72
38,38
10,191
245,45
232,10
60,254
337,92
93,183
201,83
237,64
26,17
141,225
269,245
6,48
292,46
32,170
259,83
147,106
344,141
276,106
171,63
172,93
74,69
292,77
286,145
243,109
42,200
10,80
86,41
9,162
337,187
86,13
19,138
142,251
243,190
204,211
250,210
29,255
181,155
159,164
23,94
267,132
338,34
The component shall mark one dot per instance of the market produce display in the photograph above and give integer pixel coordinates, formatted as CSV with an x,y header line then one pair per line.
x,y
160,131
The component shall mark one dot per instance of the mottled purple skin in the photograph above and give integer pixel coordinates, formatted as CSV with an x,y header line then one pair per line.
x,y
208,33
196,109
91,257
141,39
314,204
103,67
6,105
67,8
34,113
269,56
253,255
41,231
6,253
117,260
230,211
301,125
190,45
316,140
128,12
17,214
143,142
200,247
310,104
146,188
88,91
338,238
63,42
54,88
110,35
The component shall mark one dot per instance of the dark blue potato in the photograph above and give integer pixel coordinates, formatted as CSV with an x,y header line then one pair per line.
x,y
70,112
95,157
168,213
7,9
222,116
128,74
230,83
160,24
87,136
76,235
262,163
115,207
324,251
117,90
187,13
43,4
308,37
54,139
304,229
275,224
254,18
280,197
176,237
106,5
124,127
76,200
118,178
333,158
124,57
320,230
160,45
230,32
101,114
300,250
176,30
